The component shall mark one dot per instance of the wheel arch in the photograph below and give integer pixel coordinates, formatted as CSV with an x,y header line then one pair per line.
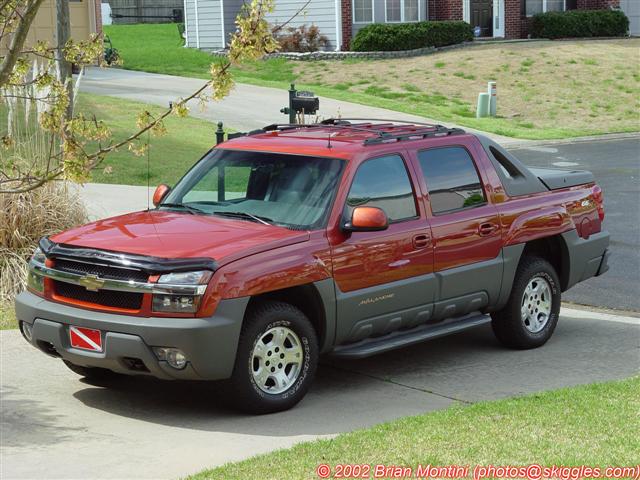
x,y
316,300
554,249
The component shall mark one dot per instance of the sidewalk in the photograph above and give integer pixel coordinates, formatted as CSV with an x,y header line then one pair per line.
x,y
249,107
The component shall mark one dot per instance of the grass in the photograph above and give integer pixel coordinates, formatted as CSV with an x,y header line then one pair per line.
x,y
170,156
594,425
7,317
550,85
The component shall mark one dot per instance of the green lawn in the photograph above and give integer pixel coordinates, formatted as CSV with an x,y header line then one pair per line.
x,y
170,156
7,317
546,90
595,425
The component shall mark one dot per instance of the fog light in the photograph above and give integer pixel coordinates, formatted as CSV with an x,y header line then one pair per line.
x,y
27,330
172,356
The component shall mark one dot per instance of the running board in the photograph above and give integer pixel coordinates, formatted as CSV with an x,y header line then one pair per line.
x,y
374,346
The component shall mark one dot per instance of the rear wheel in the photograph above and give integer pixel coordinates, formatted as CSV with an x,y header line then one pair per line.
x,y
531,314
276,360
90,373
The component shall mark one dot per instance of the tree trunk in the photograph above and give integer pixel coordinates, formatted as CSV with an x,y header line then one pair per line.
x,y
63,33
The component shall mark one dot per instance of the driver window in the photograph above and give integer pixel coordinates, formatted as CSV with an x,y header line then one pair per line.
x,y
384,183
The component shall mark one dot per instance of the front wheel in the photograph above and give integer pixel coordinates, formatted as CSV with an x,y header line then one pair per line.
x,y
531,314
276,360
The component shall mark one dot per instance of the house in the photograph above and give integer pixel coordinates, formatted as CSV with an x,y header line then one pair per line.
x,y
84,16
208,23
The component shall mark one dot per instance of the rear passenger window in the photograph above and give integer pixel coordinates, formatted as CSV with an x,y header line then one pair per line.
x,y
452,179
384,183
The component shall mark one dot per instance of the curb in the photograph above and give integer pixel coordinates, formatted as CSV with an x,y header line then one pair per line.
x,y
518,143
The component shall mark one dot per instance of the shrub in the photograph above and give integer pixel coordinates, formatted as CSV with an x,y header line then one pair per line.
x,y
302,39
27,217
409,36
580,23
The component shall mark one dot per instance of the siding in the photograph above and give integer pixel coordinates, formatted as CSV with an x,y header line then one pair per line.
x,y
319,12
209,24
379,9
231,11
632,9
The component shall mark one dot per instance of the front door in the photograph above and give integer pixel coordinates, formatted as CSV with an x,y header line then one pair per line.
x,y
384,279
482,16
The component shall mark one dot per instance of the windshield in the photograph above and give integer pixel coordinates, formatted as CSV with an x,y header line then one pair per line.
x,y
292,191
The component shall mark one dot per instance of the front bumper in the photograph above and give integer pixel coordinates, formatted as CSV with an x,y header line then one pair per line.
x,y
209,343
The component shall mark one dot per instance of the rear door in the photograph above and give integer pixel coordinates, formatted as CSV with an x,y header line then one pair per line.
x,y
384,279
465,228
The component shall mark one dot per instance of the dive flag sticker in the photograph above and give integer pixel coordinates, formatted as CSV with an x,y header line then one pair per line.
x,y
86,338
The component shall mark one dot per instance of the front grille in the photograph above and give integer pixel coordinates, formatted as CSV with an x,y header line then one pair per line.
x,y
102,271
106,298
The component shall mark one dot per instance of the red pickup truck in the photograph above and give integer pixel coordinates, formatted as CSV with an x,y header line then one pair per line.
x,y
346,238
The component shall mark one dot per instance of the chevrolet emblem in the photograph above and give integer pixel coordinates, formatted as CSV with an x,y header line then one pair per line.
x,y
91,282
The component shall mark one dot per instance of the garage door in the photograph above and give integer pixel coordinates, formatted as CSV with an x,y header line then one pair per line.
x,y
632,9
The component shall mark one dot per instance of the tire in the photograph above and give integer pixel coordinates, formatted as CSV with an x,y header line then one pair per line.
x,y
259,388
90,373
521,324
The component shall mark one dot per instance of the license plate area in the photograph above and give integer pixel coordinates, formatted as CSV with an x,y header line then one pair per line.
x,y
83,338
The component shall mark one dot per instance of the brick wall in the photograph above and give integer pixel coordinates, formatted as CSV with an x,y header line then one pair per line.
x,y
347,20
596,4
445,9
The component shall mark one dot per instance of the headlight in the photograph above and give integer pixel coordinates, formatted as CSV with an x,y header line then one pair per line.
x,y
35,282
186,278
180,303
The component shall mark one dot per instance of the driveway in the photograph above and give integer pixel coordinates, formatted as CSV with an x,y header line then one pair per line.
x,y
248,107
57,426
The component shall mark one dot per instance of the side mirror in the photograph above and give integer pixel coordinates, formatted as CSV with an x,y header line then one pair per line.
x,y
160,193
367,219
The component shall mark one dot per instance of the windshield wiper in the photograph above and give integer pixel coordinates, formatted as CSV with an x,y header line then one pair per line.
x,y
188,208
255,218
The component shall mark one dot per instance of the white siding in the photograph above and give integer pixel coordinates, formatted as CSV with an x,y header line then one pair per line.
x,y
631,8
209,24
319,12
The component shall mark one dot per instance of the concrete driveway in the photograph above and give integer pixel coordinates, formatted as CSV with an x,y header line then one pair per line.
x,y
57,426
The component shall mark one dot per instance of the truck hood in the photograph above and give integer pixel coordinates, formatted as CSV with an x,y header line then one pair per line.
x,y
180,235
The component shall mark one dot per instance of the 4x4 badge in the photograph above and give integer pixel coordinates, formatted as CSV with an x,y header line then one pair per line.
x,y
91,282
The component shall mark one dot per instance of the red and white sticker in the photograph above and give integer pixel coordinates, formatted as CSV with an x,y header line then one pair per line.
x,y
86,338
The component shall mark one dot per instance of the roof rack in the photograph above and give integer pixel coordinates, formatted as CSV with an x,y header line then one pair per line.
x,y
382,136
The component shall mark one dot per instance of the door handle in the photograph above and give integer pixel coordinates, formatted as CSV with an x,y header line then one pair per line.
x,y
487,228
421,241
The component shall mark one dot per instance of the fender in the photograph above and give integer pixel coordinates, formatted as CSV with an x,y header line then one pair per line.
x,y
539,223
290,266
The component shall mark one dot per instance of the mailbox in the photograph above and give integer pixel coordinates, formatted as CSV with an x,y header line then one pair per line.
x,y
301,102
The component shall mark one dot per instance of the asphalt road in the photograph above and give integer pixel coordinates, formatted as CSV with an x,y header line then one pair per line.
x,y
57,426
616,166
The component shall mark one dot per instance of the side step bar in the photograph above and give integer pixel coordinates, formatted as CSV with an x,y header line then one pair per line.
x,y
374,346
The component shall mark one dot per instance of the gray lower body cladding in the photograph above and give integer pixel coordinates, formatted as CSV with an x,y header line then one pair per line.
x,y
208,343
